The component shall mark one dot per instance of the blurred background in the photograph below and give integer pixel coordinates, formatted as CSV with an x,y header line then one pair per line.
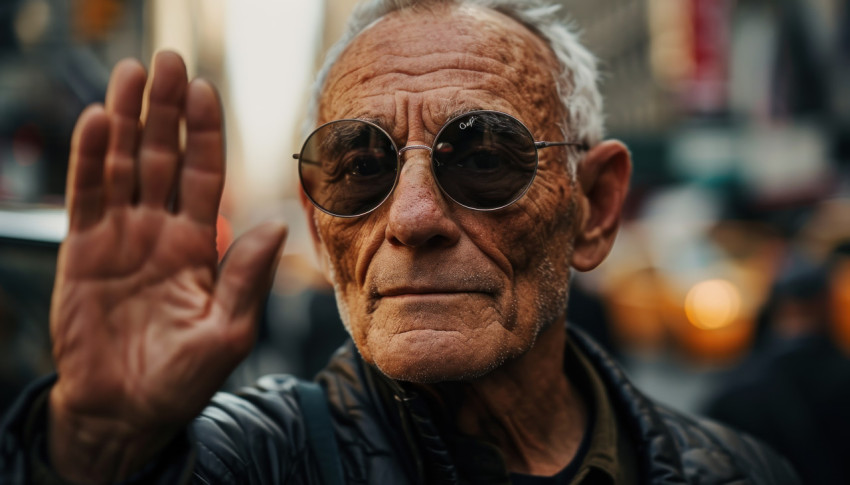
x,y
727,293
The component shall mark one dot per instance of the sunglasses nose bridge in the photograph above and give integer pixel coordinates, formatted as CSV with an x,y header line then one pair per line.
x,y
428,177
430,150
414,147
403,150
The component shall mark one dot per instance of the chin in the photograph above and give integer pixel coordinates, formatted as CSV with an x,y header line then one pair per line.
x,y
429,372
432,357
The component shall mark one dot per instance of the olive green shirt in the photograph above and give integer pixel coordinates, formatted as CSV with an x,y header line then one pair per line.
x,y
611,457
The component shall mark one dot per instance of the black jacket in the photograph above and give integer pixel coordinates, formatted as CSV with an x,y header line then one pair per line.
x,y
386,435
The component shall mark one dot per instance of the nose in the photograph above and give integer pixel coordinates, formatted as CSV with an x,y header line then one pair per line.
x,y
418,213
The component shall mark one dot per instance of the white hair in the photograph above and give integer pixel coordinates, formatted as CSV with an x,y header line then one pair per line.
x,y
576,75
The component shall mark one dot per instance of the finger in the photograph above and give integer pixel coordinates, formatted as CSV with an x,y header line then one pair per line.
x,y
123,104
247,273
85,168
159,149
202,177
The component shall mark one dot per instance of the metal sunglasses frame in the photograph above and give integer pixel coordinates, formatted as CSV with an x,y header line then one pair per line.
x,y
399,161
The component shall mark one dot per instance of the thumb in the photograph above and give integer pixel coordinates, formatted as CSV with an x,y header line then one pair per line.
x,y
247,271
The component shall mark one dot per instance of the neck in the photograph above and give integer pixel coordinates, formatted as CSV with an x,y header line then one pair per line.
x,y
528,408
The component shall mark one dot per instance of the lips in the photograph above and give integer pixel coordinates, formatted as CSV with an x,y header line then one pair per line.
x,y
400,273
400,284
417,290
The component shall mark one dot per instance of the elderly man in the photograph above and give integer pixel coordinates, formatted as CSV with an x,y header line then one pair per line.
x,y
455,177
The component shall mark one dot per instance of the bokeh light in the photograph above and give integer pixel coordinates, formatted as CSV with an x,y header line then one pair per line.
x,y
713,304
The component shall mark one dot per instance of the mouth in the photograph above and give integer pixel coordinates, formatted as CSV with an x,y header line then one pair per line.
x,y
429,292
406,302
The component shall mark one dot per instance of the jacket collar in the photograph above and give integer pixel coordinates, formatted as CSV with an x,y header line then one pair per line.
x,y
657,449
408,412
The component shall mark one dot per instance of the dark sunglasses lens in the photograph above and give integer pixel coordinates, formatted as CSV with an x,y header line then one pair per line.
x,y
485,160
348,167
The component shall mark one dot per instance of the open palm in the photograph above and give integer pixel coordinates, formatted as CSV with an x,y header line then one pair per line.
x,y
144,326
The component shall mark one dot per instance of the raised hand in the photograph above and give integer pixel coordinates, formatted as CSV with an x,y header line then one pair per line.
x,y
144,327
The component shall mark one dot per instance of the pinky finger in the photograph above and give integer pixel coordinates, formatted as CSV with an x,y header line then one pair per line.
x,y
84,193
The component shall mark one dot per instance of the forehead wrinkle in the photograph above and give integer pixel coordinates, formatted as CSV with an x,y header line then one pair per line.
x,y
493,85
464,32
475,58
439,108
464,79
418,64
349,74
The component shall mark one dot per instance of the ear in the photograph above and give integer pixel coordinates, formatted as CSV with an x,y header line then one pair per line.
x,y
310,214
603,177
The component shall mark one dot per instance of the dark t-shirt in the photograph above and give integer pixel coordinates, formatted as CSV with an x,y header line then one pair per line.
x,y
565,476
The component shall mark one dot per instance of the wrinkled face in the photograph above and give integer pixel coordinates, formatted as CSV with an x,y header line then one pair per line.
x,y
429,290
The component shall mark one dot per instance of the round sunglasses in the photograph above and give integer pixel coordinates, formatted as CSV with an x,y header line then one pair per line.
x,y
482,160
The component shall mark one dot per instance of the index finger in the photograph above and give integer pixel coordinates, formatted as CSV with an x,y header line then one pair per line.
x,y
123,104
202,177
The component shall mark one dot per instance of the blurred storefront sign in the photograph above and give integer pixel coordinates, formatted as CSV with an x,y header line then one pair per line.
x,y
706,89
95,20
689,51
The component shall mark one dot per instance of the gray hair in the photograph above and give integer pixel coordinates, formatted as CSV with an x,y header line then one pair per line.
x,y
576,74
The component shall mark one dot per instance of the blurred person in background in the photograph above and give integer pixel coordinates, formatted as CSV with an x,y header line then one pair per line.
x,y
449,232
793,391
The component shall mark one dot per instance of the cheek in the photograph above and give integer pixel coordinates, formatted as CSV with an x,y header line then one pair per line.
x,y
544,226
347,244
539,248
350,244
346,241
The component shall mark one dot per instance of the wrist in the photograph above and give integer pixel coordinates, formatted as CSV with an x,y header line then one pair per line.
x,y
93,449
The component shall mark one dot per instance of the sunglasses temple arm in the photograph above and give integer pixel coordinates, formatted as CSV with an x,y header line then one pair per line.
x,y
304,160
546,144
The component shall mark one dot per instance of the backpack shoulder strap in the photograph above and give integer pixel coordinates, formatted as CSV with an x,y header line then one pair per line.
x,y
320,431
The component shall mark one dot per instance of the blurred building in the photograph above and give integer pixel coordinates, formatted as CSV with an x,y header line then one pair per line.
x,y
55,56
721,65
736,113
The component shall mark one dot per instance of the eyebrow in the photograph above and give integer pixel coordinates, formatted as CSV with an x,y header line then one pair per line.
x,y
376,120
446,115
385,123
460,112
